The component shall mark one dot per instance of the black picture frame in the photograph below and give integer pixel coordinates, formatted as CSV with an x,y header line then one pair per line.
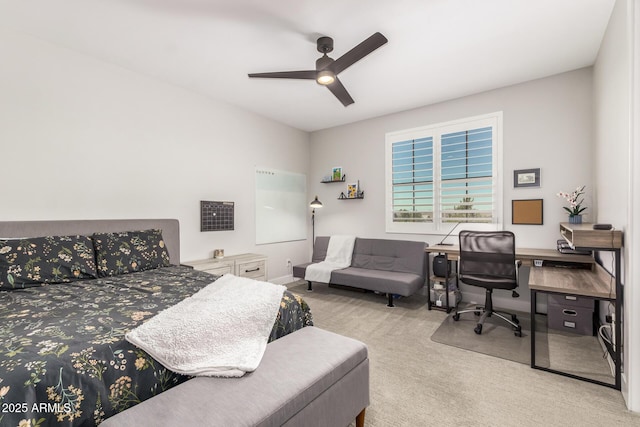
x,y
526,178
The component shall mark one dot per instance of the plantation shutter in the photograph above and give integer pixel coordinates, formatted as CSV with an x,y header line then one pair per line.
x,y
466,184
412,180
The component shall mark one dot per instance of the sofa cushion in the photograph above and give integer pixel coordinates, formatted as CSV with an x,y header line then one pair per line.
x,y
393,282
300,269
320,249
390,255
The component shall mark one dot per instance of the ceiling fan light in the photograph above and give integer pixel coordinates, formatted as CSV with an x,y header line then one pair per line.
x,y
325,77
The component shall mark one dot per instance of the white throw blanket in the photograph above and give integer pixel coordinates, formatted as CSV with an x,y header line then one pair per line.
x,y
339,254
222,330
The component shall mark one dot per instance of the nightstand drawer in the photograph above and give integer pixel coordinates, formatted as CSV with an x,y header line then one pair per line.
x,y
253,266
214,266
253,270
218,270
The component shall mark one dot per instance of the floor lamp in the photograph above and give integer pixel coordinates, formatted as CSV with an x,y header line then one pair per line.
x,y
314,204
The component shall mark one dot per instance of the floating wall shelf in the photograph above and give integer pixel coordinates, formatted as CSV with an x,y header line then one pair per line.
x,y
359,196
334,180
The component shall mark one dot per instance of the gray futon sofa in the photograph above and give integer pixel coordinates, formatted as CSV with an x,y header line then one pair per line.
x,y
394,267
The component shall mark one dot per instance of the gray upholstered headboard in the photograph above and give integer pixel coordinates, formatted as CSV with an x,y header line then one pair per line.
x,y
170,229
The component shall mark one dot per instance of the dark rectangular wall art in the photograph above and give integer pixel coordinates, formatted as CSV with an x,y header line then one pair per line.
x,y
216,216
526,178
528,212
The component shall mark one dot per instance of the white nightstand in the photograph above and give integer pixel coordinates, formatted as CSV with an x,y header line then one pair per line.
x,y
253,266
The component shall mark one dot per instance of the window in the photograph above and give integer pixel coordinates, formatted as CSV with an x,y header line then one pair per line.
x,y
441,175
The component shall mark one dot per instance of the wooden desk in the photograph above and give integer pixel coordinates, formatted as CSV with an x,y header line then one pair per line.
x,y
595,283
526,255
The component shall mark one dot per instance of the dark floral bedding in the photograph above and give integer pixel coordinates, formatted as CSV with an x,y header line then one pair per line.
x,y
64,359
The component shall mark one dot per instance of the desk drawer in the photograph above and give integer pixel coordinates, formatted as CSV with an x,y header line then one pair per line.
x,y
578,320
570,301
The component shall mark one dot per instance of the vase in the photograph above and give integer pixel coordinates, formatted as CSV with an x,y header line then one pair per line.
x,y
575,219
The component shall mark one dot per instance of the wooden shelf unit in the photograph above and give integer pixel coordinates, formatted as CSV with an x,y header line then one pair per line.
x,y
584,236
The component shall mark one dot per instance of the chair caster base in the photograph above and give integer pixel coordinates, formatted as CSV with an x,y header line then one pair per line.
x,y
478,329
456,317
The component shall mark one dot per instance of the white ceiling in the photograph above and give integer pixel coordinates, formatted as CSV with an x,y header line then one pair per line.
x,y
437,49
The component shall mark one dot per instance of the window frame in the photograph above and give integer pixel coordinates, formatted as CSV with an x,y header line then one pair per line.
x,y
493,120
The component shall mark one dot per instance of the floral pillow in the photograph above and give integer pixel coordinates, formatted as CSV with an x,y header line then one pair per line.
x,y
129,251
32,261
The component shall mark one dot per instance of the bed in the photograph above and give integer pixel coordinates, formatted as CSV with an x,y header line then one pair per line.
x,y
64,359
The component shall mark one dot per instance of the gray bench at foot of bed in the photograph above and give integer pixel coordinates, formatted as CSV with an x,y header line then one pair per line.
x,y
311,377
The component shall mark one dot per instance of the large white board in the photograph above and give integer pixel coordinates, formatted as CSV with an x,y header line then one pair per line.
x,y
281,206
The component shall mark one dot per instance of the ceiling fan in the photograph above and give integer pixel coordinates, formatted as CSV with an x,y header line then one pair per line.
x,y
327,69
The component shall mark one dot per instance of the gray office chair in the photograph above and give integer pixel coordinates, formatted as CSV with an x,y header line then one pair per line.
x,y
488,260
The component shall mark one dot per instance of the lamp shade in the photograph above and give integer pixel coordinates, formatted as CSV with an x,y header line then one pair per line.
x,y
315,203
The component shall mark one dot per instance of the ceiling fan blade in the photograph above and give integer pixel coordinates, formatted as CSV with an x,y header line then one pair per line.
x,y
307,75
357,53
338,89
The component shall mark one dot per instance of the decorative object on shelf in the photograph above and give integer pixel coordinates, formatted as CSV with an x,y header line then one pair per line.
x,y
575,208
336,174
218,253
526,178
527,212
575,219
352,190
314,204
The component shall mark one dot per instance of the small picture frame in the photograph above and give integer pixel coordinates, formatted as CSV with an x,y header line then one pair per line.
x,y
352,190
526,212
336,174
526,178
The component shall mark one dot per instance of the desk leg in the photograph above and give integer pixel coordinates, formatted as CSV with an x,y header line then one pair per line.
x,y
533,328
618,328
428,281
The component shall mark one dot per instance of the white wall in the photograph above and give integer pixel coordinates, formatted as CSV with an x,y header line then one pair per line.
x,y
613,156
547,125
80,138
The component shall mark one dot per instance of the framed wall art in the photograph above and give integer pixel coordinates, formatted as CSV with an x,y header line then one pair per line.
x,y
526,178
336,174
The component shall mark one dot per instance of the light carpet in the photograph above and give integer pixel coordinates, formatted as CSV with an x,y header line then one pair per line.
x,y
418,382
